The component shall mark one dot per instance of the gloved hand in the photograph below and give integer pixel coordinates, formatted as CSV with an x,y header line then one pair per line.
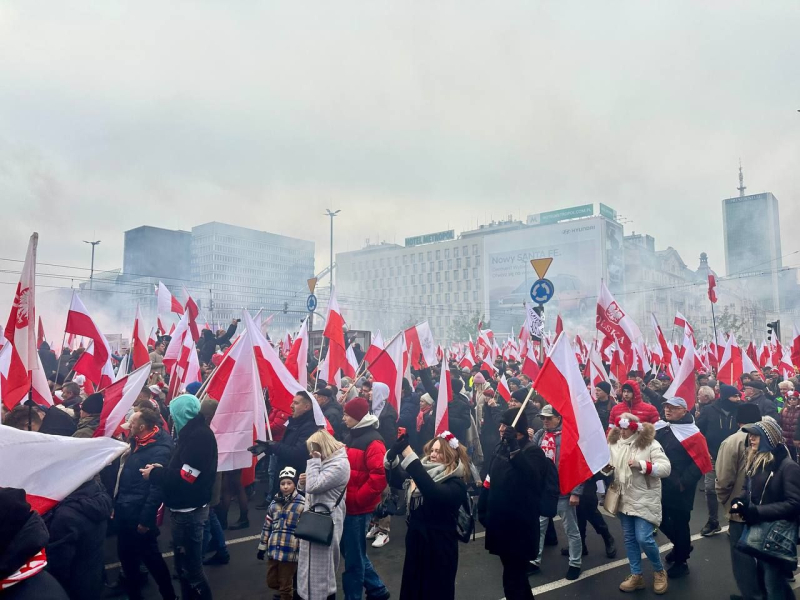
x,y
398,447
261,447
509,437
260,555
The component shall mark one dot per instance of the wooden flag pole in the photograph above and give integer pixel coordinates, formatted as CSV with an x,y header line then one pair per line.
x,y
521,408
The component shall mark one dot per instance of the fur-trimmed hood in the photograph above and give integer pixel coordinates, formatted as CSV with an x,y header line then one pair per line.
x,y
646,434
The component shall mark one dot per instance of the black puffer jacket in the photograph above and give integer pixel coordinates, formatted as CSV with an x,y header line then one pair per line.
x,y
77,528
333,412
678,490
717,421
57,422
458,410
775,491
25,543
197,448
137,499
291,450
387,424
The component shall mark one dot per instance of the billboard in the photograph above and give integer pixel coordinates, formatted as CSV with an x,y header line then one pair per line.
x,y
430,238
583,252
554,216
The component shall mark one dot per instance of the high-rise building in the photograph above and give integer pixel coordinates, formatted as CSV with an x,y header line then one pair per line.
x,y
156,252
246,268
751,229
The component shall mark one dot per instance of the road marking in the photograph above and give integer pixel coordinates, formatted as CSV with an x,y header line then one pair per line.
x,y
554,585
249,538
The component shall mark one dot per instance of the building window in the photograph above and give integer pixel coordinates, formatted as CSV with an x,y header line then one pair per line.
x,y
438,254
447,252
475,248
458,263
468,262
455,252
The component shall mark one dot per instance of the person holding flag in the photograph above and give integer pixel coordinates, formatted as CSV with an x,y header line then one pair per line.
x,y
687,451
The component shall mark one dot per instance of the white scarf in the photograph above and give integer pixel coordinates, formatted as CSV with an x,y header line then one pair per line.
x,y
619,460
436,471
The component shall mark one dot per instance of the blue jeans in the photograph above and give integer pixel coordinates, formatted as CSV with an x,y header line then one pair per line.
x,y
359,574
213,536
639,538
776,582
569,521
187,540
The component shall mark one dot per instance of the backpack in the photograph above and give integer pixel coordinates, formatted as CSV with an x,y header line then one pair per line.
x,y
548,501
465,521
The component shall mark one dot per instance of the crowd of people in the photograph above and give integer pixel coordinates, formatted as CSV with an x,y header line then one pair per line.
x,y
497,463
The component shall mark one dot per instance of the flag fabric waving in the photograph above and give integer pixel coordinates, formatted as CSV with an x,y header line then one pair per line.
x,y
139,355
712,285
297,360
50,467
445,396
419,341
693,442
118,399
584,450
167,303
616,324
375,348
683,386
388,368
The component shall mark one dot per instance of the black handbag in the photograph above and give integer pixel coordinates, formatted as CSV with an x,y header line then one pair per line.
x,y
316,524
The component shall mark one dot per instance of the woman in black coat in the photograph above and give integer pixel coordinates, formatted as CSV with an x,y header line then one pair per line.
x,y
771,493
437,489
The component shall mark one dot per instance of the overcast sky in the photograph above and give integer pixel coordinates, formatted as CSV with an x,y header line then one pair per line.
x,y
410,117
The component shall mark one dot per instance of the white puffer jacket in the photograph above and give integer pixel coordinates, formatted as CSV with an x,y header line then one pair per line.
x,y
641,493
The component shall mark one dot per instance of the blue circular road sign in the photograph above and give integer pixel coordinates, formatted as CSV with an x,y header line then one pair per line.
x,y
542,291
311,303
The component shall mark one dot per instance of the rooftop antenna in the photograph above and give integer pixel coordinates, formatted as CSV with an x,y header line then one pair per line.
x,y
741,187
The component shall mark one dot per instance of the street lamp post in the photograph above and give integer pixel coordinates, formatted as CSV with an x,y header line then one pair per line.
x,y
91,272
331,214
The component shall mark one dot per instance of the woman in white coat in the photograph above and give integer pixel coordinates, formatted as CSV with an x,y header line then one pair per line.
x,y
639,463
324,482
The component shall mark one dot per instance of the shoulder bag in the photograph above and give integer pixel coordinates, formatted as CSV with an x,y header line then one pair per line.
x,y
613,499
316,524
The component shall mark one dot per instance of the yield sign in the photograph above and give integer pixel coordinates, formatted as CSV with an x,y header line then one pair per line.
x,y
312,283
540,265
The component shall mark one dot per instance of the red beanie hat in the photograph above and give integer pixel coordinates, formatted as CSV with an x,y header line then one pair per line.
x,y
357,408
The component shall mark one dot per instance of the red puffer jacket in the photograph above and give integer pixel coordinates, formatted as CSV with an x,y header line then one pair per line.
x,y
365,451
647,413
789,416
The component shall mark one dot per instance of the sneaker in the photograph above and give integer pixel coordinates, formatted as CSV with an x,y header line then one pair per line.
x,y
373,531
678,570
633,583
573,573
533,569
660,583
710,528
380,540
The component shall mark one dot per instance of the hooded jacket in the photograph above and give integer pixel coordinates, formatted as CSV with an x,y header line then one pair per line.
x,y
647,413
137,499
365,452
77,528
16,552
642,497
717,422
775,491
387,415
187,481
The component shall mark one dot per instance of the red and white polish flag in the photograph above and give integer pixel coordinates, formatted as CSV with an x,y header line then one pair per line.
x,y
167,303
139,354
388,368
584,450
616,324
530,366
419,341
80,322
795,351
375,348
50,467
502,388
297,360
443,400
175,348
118,399
683,386
194,312
693,442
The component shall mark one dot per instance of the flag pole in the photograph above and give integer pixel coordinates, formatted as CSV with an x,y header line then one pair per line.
x,y
522,408
321,346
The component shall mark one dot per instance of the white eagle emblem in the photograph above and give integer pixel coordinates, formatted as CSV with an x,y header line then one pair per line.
x,y
22,306
614,312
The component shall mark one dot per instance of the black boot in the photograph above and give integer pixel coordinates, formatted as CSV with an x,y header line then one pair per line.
x,y
611,546
242,523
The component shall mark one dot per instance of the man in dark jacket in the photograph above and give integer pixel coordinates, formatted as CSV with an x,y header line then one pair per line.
x,y
515,479
409,409
207,345
332,411
531,412
187,482
32,417
23,537
458,410
755,393
90,415
77,528
136,506
604,403
365,451
717,422
49,361
677,490
291,451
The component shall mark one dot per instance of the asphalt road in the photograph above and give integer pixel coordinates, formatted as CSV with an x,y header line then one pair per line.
x,y
479,573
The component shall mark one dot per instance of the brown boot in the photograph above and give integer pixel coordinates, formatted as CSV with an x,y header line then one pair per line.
x,y
660,582
632,583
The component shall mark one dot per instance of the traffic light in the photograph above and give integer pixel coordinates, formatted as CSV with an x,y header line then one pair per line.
x,y
774,328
